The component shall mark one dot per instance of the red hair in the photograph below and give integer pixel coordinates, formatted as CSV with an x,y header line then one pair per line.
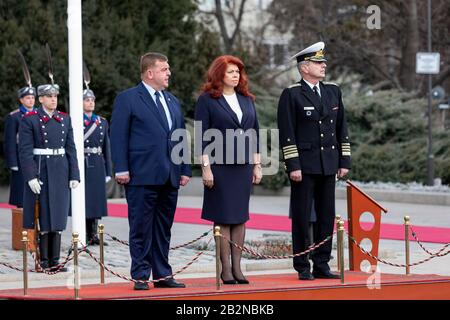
x,y
216,73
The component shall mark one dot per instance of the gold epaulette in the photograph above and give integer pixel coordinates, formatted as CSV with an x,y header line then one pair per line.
x,y
330,83
14,111
297,84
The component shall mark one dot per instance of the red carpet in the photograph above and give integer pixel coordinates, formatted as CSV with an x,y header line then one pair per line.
x,y
273,286
257,221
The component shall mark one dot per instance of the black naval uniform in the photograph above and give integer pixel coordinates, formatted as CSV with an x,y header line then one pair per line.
x,y
314,139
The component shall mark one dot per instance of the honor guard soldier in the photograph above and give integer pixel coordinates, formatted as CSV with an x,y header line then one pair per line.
x,y
48,161
27,98
97,161
315,147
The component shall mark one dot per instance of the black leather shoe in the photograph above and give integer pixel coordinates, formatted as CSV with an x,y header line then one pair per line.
x,y
325,275
232,281
141,286
305,275
169,283
240,280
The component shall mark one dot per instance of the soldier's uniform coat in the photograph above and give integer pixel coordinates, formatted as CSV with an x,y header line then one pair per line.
x,y
38,130
11,143
97,166
314,139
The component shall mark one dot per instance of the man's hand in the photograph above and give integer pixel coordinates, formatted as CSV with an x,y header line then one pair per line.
x,y
296,175
73,184
342,172
184,180
107,178
35,185
123,179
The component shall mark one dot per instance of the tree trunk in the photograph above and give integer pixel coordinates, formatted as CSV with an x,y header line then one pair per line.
x,y
410,47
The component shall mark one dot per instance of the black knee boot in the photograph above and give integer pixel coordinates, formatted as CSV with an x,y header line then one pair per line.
x,y
55,249
43,250
88,231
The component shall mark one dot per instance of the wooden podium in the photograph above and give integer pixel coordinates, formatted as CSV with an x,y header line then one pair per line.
x,y
16,231
359,203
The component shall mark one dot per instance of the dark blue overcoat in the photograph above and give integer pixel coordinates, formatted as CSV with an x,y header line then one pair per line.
x,y
97,167
11,150
38,130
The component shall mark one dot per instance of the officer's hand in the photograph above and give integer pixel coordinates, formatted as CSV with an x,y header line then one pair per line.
x,y
14,168
107,179
123,179
208,177
184,180
73,184
342,172
35,185
296,175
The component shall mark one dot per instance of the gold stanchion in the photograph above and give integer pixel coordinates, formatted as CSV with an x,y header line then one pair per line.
x,y
338,218
217,238
25,262
407,244
101,228
75,263
341,248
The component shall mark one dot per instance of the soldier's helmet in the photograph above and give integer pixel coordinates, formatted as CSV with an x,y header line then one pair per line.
x,y
314,52
47,89
26,91
88,93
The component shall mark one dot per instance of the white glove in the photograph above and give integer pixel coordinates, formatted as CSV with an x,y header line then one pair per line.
x,y
14,168
107,179
73,184
35,185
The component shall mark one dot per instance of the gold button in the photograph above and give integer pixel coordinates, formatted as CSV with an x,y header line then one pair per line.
x,y
321,135
331,121
332,147
321,148
320,122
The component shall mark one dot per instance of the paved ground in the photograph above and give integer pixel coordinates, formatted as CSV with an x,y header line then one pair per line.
x,y
117,255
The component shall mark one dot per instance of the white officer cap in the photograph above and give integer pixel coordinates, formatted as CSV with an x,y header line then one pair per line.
x,y
313,53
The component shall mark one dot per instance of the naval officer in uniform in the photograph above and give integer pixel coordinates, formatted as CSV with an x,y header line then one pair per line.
x,y
27,97
49,164
316,147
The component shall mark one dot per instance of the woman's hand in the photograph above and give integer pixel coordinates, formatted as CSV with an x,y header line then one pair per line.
x,y
207,176
257,173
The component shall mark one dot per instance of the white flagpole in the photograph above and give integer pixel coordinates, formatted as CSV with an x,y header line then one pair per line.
x,y
74,26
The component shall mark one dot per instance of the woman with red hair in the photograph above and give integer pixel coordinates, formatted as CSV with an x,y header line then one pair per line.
x,y
229,155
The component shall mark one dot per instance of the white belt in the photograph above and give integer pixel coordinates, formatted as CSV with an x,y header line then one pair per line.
x,y
96,150
49,152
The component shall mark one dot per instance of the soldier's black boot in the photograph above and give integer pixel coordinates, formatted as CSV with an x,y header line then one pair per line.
x,y
94,238
88,231
43,250
55,249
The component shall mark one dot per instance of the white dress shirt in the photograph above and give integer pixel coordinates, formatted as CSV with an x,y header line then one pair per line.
x,y
233,102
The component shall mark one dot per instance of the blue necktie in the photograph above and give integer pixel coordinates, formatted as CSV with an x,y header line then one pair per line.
x,y
161,108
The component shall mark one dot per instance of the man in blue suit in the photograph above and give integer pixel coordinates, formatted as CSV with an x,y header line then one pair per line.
x,y
142,123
